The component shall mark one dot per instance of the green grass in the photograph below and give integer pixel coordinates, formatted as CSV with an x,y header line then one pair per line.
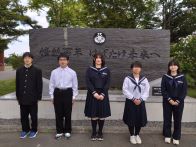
x,y
7,86
192,92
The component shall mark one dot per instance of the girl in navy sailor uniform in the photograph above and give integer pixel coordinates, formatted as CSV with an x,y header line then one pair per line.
x,y
97,105
174,90
136,90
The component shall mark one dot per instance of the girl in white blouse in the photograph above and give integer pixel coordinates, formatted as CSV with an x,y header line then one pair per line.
x,y
136,90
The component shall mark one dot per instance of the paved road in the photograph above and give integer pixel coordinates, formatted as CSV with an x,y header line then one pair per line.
x,y
82,140
10,74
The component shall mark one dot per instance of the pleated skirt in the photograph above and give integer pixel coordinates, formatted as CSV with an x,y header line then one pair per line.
x,y
134,115
97,108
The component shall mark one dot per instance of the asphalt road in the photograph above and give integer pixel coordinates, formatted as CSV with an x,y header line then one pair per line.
x,y
83,140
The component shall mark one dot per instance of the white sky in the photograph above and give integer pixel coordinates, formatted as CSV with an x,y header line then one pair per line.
x,y
21,45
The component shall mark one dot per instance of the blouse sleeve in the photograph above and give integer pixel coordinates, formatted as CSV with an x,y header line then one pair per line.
x,y
107,84
89,83
184,91
145,94
164,89
75,85
126,90
52,85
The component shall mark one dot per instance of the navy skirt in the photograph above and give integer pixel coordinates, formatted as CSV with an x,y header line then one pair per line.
x,y
96,108
134,115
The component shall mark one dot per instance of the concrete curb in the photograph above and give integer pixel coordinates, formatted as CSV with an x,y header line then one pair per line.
x,y
111,126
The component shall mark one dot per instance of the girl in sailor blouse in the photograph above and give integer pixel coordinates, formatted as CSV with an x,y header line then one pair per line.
x,y
97,105
174,89
136,90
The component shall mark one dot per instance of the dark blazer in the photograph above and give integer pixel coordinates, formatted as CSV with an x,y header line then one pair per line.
x,y
174,87
29,85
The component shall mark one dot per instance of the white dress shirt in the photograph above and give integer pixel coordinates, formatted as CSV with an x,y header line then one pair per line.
x,y
63,78
130,93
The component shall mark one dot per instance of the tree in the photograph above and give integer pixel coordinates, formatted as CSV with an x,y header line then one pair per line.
x,y
11,17
15,61
61,13
185,52
179,16
120,13
98,13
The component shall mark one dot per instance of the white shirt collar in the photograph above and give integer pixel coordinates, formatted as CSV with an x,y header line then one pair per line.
x,y
66,68
27,66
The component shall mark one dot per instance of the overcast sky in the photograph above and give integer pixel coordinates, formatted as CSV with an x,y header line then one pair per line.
x,y
22,44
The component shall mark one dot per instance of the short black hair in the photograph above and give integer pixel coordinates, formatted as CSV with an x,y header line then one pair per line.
x,y
27,54
63,55
136,64
96,55
173,62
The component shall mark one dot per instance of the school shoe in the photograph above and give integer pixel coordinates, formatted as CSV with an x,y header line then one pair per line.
x,y
93,137
24,134
100,136
176,142
58,136
138,139
67,135
132,139
33,134
167,140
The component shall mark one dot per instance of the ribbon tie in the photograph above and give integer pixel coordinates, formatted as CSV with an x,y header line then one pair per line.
x,y
136,84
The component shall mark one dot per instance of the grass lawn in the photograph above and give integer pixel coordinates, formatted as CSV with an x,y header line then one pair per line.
x,y
7,86
192,92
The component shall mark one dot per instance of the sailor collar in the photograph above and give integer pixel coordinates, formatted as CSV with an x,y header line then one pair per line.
x,y
176,77
97,69
137,85
141,78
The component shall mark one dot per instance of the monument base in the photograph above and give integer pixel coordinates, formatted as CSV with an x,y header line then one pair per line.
x,y
10,115
9,108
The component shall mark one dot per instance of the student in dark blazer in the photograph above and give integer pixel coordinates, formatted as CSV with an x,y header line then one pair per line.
x,y
28,93
174,90
97,101
136,90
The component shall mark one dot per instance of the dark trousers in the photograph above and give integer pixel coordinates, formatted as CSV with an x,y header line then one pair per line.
x,y
63,110
25,111
176,111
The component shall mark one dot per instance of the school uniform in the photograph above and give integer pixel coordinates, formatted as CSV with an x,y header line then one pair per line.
x,y
63,88
97,81
135,115
175,88
28,93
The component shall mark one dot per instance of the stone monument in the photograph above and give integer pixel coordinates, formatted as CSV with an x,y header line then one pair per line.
x,y
119,46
